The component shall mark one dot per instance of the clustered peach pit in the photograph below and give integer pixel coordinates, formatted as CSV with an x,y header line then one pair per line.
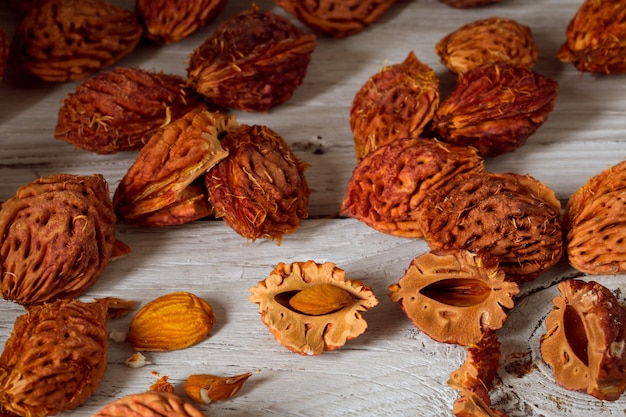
x,y
420,174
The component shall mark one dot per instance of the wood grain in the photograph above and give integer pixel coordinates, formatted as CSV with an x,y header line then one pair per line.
x,y
392,369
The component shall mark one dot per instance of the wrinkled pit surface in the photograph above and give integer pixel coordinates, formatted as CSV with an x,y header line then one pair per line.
x,y
575,334
457,292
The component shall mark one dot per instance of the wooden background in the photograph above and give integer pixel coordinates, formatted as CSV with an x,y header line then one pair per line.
x,y
392,369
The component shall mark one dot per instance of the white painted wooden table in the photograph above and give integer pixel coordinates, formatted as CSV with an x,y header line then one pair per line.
x,y
392,369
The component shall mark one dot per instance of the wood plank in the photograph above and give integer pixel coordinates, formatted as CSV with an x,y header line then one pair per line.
x,y
393,368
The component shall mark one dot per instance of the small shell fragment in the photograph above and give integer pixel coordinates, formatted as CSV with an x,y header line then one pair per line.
x,y
137,360
206,388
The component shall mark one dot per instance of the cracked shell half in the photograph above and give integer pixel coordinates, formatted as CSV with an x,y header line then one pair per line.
x,y
455,296
311,307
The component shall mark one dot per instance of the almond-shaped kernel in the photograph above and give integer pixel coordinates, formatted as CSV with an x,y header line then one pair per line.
x,y
173,321
320,299
206,388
